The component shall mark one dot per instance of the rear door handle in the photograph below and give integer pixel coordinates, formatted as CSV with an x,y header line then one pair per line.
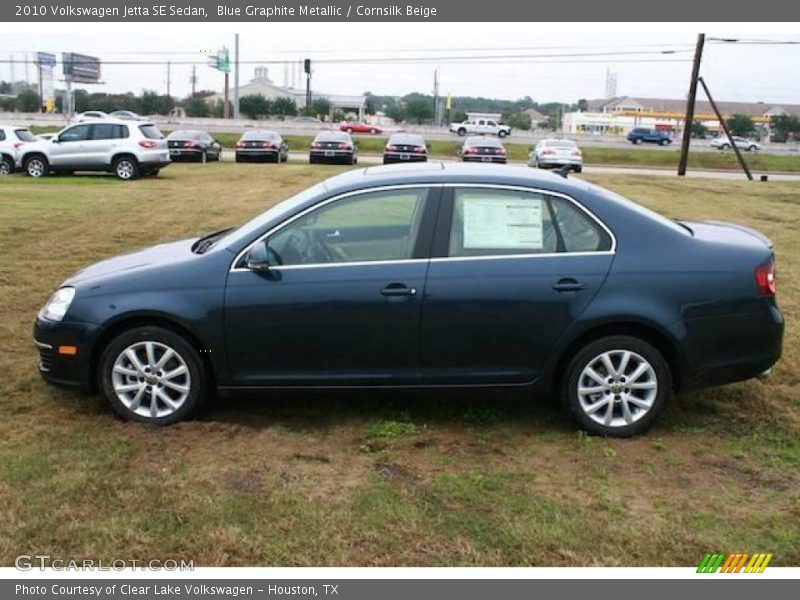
x,y
568,284
398,289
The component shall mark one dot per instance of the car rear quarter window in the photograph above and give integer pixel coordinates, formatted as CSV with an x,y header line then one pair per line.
x,y
151,132
497,222
23,135
2,135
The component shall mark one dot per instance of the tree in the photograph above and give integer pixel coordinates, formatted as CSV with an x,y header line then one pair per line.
x,y
458,116
698,130
255,106
151,103
197,106
371,104
28,101
320,107
419,110
783,126
583,105
519,121
395,112
284,107
740,125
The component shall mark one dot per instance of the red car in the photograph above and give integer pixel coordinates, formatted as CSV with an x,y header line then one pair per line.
x,y
360,128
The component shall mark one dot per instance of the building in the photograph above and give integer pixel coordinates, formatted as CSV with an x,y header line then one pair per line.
x,y
618,115
537,118
262,85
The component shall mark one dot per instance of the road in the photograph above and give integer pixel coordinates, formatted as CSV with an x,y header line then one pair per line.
x,y
609,170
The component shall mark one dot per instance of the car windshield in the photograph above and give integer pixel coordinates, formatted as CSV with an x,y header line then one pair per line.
x,y
188,135
483,141
23,135
413,140
560,144
151,132
260,135
332,136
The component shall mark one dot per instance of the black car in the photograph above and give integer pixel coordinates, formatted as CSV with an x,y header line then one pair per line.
x,y
405,147
637,135
333,147
260,146
193,145
438,275
483,148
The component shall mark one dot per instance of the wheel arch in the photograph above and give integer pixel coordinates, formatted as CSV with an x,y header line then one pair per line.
x,y
651,333
127,322
124,153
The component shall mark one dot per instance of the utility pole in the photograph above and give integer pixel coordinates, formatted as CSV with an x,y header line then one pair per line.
x,y
307,68
226,109
169,77
690,101
236,78
193,79
722,122
435,94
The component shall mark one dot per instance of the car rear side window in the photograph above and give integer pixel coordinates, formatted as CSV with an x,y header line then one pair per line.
x,y
109,131
151,132
23,135
497,222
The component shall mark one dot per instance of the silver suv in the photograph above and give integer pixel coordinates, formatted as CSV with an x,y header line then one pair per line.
x,y
125,148
12,139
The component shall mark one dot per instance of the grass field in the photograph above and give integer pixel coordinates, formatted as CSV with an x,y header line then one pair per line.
x,y
622,156
361,478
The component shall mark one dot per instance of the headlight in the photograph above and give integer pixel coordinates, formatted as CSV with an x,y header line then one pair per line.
x,y
56,307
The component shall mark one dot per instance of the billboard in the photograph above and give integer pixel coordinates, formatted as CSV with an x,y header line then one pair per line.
x,y
46,63
80,68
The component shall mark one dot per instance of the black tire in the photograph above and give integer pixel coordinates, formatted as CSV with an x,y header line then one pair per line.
x,y
238,158
6,165
664,142
578,168
502,134
462,132
197,377
657,399
126,168
204,157
373,131
312,160
725,147
36,166
637,141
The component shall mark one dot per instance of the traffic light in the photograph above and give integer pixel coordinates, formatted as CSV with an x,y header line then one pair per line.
x,y
307,65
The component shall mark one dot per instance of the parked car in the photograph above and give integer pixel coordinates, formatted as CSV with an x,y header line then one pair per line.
x,y
90,115
193,145
405,147
637,135
360,128
12,139
126,115
333,147
480,126
433,276
262,146
483,148
724,143
120,147
556,153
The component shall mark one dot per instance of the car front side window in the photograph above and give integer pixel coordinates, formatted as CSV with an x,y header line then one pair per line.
x,y
369,227
78,133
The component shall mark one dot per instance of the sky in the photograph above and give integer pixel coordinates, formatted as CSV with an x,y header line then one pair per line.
x,y
548,62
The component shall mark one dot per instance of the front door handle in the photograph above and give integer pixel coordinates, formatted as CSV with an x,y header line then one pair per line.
x,y
398,289
568,284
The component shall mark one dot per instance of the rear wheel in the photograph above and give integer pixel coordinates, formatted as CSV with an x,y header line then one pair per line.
x,y
637,141
373,131
578,168
664,142
6,165
126,168
462,132
152,375
725,147
617,386
502,134
36,166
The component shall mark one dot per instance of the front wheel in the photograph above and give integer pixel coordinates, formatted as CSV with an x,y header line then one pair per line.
x,y
462,132
637,141
152,375
617,386
664,142
725,147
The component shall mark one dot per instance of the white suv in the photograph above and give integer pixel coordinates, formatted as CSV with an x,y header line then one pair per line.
x,y
12,139
127,149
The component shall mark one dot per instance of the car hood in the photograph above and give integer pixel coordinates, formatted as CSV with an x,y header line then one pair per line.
x,y
154,256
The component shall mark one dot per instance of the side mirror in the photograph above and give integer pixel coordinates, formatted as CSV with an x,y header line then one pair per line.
x,y
258,256
55,139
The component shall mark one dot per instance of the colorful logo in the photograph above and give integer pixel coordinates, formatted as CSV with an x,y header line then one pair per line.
x,y
734,563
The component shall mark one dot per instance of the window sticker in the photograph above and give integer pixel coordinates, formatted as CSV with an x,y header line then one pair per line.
x,y
506,224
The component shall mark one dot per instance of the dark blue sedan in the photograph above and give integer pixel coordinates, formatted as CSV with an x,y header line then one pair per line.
x,y
426,276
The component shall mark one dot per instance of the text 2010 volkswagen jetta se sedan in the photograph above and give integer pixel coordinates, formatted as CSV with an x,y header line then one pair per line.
x,y
426,276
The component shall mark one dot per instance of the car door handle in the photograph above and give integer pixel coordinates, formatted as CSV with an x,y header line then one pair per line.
x,y
568,284
398,289
333,234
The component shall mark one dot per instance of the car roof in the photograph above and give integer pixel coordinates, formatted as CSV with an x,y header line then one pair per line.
x,y
434,172
110,121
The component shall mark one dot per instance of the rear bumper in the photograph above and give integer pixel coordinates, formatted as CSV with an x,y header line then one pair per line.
x,y
257,153
486,159
73,372
395,157
735,348
560,162
337,156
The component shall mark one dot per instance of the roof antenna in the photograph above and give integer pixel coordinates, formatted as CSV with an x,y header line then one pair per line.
x,y
563,171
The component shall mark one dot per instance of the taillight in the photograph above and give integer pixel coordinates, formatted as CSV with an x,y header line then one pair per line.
x,y
316,145
190,144
344,146
239,145
470,150
422,149
389,148
501,150
147,143
576,153
266,144
766,281
18,145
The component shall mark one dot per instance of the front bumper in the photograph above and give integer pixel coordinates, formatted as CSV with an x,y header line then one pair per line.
x,y
70,371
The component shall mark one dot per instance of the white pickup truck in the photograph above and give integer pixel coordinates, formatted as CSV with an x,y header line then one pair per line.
x,y
480,126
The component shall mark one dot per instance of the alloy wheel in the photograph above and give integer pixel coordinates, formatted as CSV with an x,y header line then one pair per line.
x,y
151,379
35,167
125,169
617,388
